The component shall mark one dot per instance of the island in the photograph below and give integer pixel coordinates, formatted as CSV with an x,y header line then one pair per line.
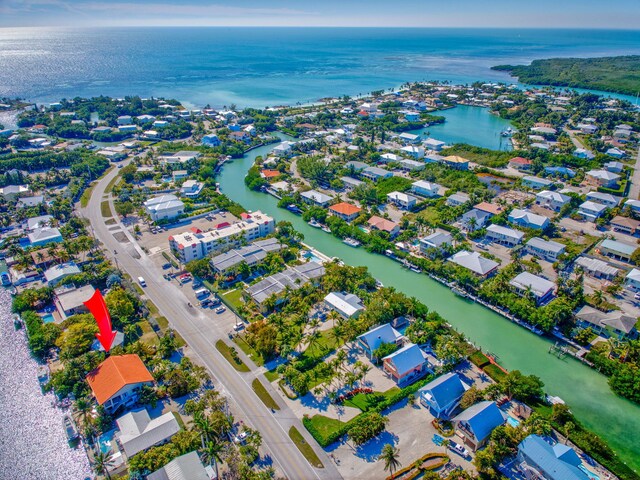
x,y
610,74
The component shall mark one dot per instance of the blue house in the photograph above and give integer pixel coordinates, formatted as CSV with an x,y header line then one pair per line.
x,y
539,460
560,171
406,365
372,339
211,140
43,236
442,395
476,423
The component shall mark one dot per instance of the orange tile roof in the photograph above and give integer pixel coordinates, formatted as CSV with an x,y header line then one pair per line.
x,y
345,208
382,223
270,173
116,372
520,161
488,207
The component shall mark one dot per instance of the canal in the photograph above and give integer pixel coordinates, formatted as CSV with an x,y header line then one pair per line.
x,y
586,391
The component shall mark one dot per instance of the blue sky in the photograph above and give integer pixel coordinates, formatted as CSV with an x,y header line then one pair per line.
x,y
410,13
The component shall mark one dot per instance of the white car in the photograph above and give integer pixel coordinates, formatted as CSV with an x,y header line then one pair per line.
x,y
238,326
220,309
241,437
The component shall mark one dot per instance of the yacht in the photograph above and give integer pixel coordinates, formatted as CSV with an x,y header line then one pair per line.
x,y
314,223
69,429
351,242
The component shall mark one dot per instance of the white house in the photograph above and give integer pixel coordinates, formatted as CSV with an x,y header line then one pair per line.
x,y
541,288
164,207
314,197
504,235
527,219
347,305
591,211
536,182
604,198
413,151
402,200
545,249
436,240
457,199
138,432
427,189
191,188
602,178
473,261
435,145
552,200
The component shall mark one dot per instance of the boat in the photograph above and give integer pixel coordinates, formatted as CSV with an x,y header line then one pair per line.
x,y
351,242
294,208
69,429
507,133
43,376
379,284
17,322
415,269
326,229
314,223
459,291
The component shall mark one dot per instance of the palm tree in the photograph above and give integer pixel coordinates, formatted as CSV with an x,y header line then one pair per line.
x,y
445,444
390,457
102,462
83,409
212,453
203,424
313,340
568,428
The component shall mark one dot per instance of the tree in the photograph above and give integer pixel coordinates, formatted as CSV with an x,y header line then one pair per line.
x,y
390,456
568,429
125,208
521,387
213,454
102,462
121,305
470,397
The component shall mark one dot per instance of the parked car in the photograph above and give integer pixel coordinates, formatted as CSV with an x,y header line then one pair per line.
x,y
166,266
221,309
238,326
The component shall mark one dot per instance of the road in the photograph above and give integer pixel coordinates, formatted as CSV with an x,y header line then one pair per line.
x,y
634,189
201,331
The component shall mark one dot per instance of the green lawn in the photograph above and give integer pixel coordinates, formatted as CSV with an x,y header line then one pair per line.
x,y
148,335
233,297
365,401
325,344
271,375
264,395
304,448
110,185
325,425
248,350
227,353
494,372
105,209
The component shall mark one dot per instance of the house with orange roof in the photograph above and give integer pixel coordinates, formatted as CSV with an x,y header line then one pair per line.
x,y
520,163
115,383
491,208
345,211
379,223
269,174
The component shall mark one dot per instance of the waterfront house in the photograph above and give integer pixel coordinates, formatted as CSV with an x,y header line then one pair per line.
x,y
504,235
552,200
427,189
474,219
519,163
591,211
350,183
442,395
475,424
70,300
137,432
413,151
434,145
607,324
597,268
545,249
409,138
437,240
252,255
541,461
164,207
292,278
625,225
345,211
313,197
384,225
283,149
541,288
536,183
402,200
617,250
184,467
406,365
376,173
115,383
374,338
603,198
457,199
57,273
602,178
411,166
526,219
44,236
456,162
269,174
211,140
191,188
347,305
481,266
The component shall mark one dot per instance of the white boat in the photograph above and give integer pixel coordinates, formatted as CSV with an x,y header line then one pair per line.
x,y
379,284
415,269
69,429
326,229
313,223
351,242
460,292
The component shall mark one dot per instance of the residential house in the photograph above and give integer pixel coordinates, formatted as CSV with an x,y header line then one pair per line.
x,y
269,174
115,383
252,255
602,178
211,140
376,173
384,225
475,424
474,219
615,152
411,166
184,467
240,136
519,163
442,395
350,183
615,167
475,262
457,199
34,201
70,301
437,240
345,211
128,128
527,219
564,172
356,166
313,197
434,145
591,211
456,162
632,280
626,225
44,236
615,323
583,153
283,149
178,175
541,461
604,199
504,235
406,365
633,205
164,207
617,250
541,288
409,138
347,305
389,158
11,192
536,182
402,200
292,278
545,249
35,223
427,189
374,338
413,151
57,273
552,200
124,120
597,268
191,188
137,432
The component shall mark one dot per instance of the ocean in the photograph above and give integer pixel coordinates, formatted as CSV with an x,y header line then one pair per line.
x,y
272,66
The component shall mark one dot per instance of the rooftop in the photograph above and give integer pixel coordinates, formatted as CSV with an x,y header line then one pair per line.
x,y
116,372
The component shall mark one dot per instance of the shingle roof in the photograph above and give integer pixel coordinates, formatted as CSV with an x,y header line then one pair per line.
x,y
545,457
445,389
116,372
407,358
377,336
482,418
474,262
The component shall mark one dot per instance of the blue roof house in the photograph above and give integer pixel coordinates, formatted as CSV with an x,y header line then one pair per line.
x,y
538,459
211,140
375,337
476,423
406,365
442,395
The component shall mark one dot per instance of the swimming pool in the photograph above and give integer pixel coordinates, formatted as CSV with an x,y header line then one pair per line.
x,y
311,256
48,318
514,422
106,442
589,473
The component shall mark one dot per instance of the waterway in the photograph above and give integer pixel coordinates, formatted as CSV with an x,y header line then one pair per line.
x,y
586,391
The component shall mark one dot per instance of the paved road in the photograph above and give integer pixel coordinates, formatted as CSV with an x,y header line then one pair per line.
x,y
201,331
634,190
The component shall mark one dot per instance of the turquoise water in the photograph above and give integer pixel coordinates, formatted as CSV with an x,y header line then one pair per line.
x,y
311,256
590,474
271,66
106,442
514,422
48,318
585,390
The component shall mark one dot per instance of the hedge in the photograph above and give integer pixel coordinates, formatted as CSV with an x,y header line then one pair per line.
x,y
479,359
420,470
494,372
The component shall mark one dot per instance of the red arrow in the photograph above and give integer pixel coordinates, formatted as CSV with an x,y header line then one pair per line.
x,y
99,310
